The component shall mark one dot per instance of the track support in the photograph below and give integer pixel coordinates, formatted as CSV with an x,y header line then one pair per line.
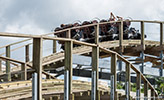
x,y
37,64
127,82
138,83
95,64
68,70
27,56
161,68
8,64
146,87
113,72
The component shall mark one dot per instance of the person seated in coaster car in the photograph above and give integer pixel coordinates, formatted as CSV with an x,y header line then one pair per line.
x,y
77,33
86,30
103,27
112,27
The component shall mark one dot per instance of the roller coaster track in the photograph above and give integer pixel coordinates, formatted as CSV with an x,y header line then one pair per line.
x,y
59,59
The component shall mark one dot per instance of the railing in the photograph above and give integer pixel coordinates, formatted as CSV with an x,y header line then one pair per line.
x,y
37,58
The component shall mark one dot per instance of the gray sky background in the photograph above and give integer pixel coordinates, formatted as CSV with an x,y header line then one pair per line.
x,y
41,16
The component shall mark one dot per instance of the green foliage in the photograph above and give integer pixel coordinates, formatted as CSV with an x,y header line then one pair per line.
x,y
133,86
160,84
120,85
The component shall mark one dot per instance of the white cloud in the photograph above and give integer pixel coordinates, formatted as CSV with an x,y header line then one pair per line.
x,y
29,29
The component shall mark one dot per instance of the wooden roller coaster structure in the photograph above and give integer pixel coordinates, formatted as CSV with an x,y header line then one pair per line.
x,y
96,50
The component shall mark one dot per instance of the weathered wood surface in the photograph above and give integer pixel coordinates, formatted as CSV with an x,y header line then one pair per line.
x,y
129,44
22,89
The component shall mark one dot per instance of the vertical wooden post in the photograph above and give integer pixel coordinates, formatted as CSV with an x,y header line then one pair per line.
x,y
95,65
161,33
121,37
113,72
161,44
68,34
0,65
8,64
152,94
127,81
37,64
142,36
68,70
27,57
142,46
95,76
54,46
138,83
24,72
146,87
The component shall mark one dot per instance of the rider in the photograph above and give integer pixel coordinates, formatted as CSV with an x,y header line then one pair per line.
x,y
77,33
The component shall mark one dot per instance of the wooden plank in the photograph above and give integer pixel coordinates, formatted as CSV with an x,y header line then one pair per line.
x,y
113,72
8,64
146,87
147,21
128,80
161,33
84,43
10,59
142,36
121,37
27,56
37,63
68,64
15,43
95,64
23,72
152,94
97,34
95,72
138,83
54,46
0,65
7,34
68,34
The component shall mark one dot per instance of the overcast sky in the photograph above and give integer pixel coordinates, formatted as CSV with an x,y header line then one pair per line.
x,y
41,16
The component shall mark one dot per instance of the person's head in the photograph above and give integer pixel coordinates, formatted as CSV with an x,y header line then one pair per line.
x,y
76,24
57,29
62,25
94,21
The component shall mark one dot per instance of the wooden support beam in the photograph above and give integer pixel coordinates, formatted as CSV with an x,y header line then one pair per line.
x,y
146,88
152,94
113,72
68,70
37,64
127,81
142,36
68,34
97,34
161,33
138,83
27,57
23,72
8,64
54,46
0,65
121,37
95,65
95,73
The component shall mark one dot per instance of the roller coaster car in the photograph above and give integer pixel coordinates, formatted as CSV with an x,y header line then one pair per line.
x,y
107,31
